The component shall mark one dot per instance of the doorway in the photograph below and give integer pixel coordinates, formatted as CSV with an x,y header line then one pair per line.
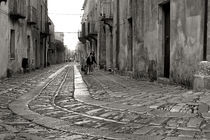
x,y
166,28
130,45
36,54
29,50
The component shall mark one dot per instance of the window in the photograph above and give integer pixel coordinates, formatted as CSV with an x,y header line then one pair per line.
x,y
41,17
12,44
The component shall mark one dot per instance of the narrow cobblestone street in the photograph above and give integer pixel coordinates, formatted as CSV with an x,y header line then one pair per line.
x,y
60,103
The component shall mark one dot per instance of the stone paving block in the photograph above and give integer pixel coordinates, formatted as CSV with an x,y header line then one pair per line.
x,y
94,111
179,115
140,110
172,123
83,122
195,122
119,106
134,137
158,121
177,108
144,130
206,128
171,138
176,100
203,108
207,135
70,117
158,113
71,105
107,114
185,133
156,105
29,136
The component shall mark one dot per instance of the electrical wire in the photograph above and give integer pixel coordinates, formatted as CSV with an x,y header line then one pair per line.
x,y
65,14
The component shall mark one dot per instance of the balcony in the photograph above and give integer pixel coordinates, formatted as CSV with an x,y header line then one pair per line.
x,y
45,31
17,9
32,15
106,17
107,11
107,14
81,37
92,30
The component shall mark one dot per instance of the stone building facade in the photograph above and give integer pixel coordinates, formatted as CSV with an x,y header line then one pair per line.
x,y
23,35
52,53
89,33
96,31
155,39
60,47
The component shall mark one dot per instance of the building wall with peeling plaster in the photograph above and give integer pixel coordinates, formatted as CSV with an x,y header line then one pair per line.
x,y
4,38
22,30
186,43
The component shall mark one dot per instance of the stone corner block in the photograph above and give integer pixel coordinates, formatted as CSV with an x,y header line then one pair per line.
x,y
202,76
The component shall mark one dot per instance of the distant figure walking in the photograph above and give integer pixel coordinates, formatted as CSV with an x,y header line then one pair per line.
x,y
90,61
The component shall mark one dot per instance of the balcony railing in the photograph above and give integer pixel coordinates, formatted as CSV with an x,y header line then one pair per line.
x,y
32,15
81,36
92,29
45,32
107,11
17,9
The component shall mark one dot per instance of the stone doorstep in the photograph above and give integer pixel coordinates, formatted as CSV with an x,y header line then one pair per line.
x,y
195,122
163,80
201,82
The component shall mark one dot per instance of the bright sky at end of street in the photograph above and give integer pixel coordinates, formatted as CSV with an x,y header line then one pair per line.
x,y
66,16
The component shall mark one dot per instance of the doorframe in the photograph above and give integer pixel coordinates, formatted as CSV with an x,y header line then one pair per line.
x,y
29,50
161,38
130,45
205,41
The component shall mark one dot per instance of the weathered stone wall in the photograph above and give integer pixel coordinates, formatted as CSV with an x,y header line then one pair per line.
x,y
52,49
109,48
34,35
208,30
187,32
91,21
123,35
115,35
23,30
139,51
20,28
4,38
186,42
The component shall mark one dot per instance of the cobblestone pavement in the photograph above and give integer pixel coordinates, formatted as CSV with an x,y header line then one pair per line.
x,y
152,109
60,103
14,126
